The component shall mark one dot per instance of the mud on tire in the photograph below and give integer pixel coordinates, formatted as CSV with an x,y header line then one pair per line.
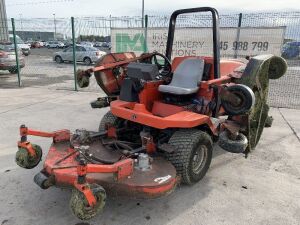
x,y
79,204
192,155
24,160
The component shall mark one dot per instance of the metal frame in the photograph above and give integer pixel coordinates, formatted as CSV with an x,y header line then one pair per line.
x,y
216,34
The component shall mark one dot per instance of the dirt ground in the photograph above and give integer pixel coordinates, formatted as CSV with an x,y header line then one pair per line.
x,y
263,189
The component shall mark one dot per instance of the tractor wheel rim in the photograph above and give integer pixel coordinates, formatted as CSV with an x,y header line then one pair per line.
x,y
198,160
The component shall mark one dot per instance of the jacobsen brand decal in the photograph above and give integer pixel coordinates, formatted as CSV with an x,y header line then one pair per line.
x,y
162,179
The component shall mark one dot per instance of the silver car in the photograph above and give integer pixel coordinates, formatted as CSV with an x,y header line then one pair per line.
x,y
55,44
8,58
87,55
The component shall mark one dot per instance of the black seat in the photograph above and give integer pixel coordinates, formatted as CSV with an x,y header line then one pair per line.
x,y
186,78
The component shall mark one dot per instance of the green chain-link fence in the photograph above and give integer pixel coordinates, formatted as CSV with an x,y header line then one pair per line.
x,y
50,63
8,72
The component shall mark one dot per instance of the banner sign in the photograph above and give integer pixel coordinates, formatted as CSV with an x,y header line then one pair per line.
x,y
198,41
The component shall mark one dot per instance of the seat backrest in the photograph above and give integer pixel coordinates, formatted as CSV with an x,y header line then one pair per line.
x,y
188,73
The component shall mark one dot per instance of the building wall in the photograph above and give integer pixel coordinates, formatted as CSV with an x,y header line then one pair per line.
x,y
3,22
35,36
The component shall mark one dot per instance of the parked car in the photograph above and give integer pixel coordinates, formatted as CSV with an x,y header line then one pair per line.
x,y
87,44
68,44
36,44
24,47
28,43
291,50
98,44
8,58
42,43
87,55
106,45
55,44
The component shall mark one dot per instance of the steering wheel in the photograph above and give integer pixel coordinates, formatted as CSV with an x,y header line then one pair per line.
x,y
164,69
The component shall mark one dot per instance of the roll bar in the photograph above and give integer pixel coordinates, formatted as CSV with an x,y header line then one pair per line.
x,y
216,35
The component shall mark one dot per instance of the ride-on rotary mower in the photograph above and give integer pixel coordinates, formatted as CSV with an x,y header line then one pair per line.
x,y
164,118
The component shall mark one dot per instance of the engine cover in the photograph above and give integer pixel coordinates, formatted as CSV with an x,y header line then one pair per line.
x,y
142,71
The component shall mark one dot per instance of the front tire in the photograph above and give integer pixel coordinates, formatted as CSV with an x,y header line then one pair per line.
x,y
79,204
108,118
238,145
24,160
192,155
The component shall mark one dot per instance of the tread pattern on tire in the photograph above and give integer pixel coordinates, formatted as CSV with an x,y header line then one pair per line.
x,y
107,118
185,141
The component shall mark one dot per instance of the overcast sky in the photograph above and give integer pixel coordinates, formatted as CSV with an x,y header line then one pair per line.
x,y
38,8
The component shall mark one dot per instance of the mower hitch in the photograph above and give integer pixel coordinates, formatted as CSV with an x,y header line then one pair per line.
x,y
58,136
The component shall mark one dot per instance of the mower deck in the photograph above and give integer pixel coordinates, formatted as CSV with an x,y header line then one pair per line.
x,y
62,164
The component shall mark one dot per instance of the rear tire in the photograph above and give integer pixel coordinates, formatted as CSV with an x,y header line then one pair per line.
x,y
13,71
192,155
58,59
107,118
87,61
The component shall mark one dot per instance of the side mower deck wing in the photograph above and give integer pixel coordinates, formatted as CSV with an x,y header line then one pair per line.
x,y
256,76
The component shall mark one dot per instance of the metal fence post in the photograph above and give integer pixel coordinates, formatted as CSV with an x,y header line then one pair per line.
x,y
238,34
143,12
16,51
146,34
74,53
